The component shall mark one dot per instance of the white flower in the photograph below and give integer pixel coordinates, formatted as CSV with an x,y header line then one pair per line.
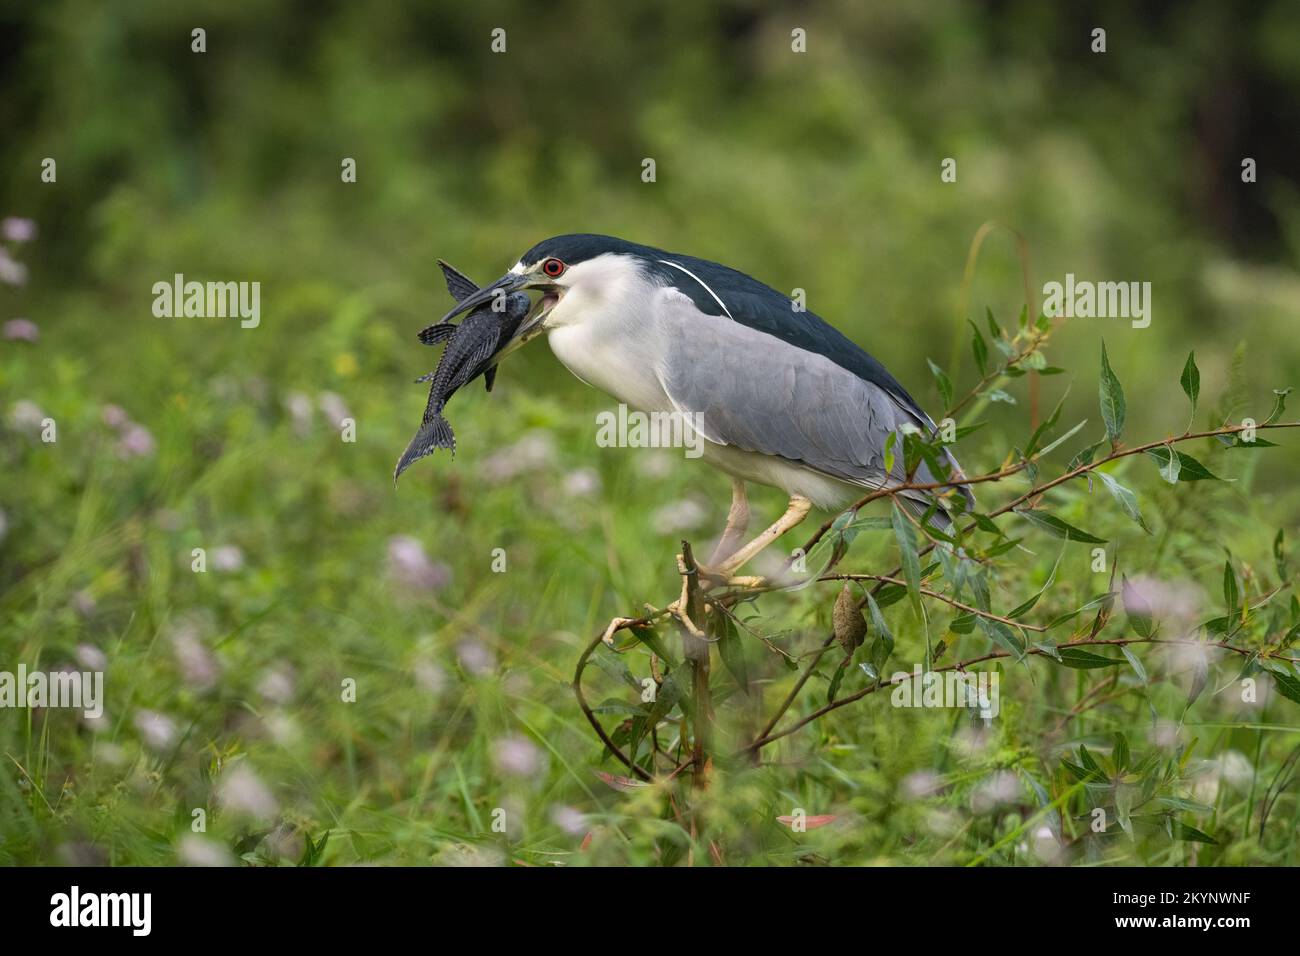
x,y
677,516
12,272
300,411
198,667
517,757
91,657
136,442
571,821
410,565
17,229
228,557
21,330
276,684
333,407
476,658
242,791
582,483
114,416
157,730
534,451
996,790
26,416
194,850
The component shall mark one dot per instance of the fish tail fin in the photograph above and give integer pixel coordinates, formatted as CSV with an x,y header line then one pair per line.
x,y
433,434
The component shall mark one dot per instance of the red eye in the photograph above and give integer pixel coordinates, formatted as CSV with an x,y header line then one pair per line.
x,y
553,268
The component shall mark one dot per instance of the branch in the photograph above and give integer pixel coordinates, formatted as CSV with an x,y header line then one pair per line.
x,y
769,737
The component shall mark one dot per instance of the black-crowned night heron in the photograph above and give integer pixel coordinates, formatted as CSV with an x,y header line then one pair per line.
x,y
779,396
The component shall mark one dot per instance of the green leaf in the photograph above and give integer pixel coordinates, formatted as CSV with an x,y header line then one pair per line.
x,y
1080,659
1191,380
1085,456
651,640
1134,663
1287,685
1186,468
1170,467
1001,634
979,348
1279,405
910,562
995,330
1231,592
882,643
730,648
1137,609
1056,527
1112,399
1279,555
1120,753
1181,831
943,383
1127,500
1064,438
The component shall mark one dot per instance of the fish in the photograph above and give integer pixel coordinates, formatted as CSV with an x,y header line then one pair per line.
x,y
470,350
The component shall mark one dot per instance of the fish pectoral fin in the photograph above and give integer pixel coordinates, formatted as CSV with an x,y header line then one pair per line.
x,y
489,377
435,334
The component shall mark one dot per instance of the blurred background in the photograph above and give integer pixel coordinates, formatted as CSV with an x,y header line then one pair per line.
x,y
816,170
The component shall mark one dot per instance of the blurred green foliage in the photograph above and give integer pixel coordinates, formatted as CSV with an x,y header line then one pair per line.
x,y
818,171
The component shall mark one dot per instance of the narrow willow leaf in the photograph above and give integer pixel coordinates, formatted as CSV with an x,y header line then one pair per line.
x,y
1231,592
1127,500
730,648
1137,608
1279,405
1064,438
1112,399
1080,659
1191,380
1058,528
943,383
1288,686
1186,468
1134,663
1003,635
979,348
1085,456
882,643
1181,831
911,564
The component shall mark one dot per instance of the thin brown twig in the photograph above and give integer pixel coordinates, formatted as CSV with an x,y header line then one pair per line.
x,y
768,738
886,579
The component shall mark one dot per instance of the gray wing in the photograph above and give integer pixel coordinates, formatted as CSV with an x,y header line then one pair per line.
x,y
761,394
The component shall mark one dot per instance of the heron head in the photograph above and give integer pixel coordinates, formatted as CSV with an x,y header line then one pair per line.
x,y
572,270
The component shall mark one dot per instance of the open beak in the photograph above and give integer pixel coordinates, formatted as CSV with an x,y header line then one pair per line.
x,y
510,282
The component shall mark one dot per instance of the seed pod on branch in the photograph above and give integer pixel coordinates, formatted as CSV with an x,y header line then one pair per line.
x,y
850,626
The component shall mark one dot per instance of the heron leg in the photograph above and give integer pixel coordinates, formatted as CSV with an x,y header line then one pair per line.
x,y
737,523
795,512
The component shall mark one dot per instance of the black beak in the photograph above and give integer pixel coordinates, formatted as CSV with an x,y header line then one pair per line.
x,y
510,282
